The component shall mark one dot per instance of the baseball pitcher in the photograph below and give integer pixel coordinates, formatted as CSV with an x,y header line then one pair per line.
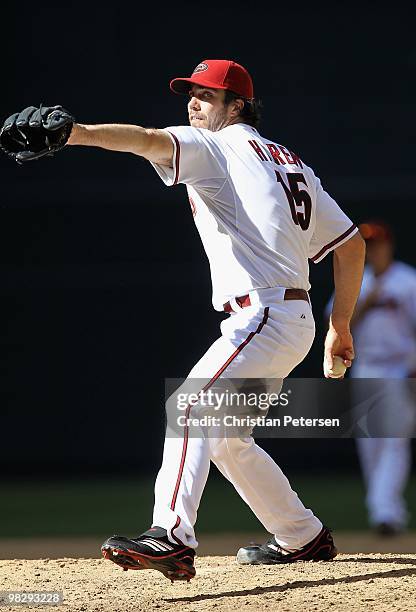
x,y
261,214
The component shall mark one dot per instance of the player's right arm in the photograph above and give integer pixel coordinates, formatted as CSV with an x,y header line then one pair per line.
x,y
334,231
152,144
348,272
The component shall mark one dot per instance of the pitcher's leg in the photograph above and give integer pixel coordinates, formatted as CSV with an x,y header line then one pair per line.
x,y
179,486
186,456
263,486
254,474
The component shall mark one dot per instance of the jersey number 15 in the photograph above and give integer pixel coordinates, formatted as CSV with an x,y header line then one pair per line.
x,y
299,200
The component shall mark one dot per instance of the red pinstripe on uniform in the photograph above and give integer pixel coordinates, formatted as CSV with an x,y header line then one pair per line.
x,y
177,540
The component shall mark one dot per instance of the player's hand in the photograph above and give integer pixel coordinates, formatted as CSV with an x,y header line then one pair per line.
x,y
338,343
35,132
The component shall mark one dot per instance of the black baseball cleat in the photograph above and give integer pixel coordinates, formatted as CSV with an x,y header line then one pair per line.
x,y
151,550
388,529
321,548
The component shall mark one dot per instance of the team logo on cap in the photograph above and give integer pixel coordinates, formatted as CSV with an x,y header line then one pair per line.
x,y
200,68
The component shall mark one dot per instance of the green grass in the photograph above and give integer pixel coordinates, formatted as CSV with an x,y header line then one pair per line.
x,y
106,506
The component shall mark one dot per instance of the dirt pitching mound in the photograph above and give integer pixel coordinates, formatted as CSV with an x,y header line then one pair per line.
x,y
354,582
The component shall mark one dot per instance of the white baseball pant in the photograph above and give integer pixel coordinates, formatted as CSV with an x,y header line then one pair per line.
x,y
265,340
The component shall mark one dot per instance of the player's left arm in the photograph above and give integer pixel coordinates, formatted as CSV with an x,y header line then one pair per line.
x,y
348,272
152,144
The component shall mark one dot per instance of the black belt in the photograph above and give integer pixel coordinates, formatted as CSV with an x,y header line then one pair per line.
x,y
290,294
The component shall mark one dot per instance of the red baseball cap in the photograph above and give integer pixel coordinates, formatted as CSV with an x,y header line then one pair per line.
x,y
217,74
375,230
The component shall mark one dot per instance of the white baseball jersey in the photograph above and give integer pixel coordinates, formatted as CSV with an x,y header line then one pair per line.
x,y
386,334
260,211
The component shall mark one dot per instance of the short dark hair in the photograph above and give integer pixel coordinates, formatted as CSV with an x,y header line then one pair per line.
x,y
251,111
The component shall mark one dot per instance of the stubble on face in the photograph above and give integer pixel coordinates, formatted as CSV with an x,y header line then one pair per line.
x,y
206,109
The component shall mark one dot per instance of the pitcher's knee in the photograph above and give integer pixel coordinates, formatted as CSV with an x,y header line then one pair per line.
x,y
222,449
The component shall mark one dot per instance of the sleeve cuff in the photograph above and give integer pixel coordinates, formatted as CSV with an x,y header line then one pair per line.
x,y
335,243
170,175
176,157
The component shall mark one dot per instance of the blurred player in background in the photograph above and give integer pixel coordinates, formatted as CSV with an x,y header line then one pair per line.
x,y
384,325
